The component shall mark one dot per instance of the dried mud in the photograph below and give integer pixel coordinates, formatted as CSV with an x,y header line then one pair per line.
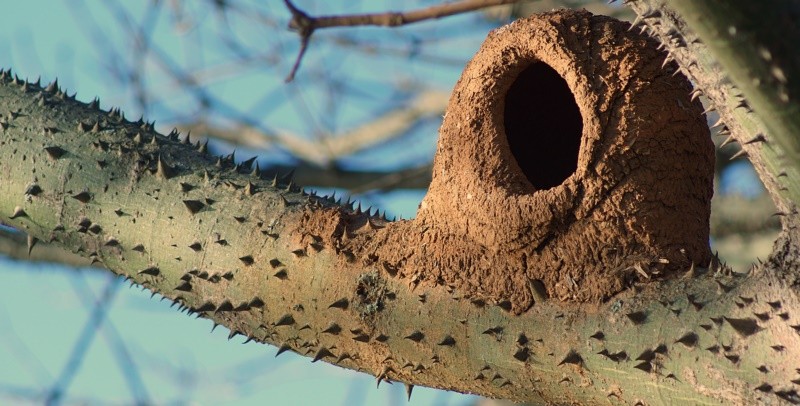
x,y
569,159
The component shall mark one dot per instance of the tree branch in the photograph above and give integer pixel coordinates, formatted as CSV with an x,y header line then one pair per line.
x,y
277,266
733,52
305,25
392,124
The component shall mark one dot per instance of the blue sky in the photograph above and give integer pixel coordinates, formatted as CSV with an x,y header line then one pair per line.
x,y
169,357
173,358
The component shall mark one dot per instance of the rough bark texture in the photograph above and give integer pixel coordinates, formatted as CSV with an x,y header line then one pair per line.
x,y
311,276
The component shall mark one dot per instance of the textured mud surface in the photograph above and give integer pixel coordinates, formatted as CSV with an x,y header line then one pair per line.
x,y
569,159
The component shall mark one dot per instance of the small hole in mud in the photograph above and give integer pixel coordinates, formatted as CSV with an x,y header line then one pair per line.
x,y
543,126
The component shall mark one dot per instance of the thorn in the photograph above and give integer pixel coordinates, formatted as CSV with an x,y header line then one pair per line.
x,y
31,242
695,94
283,348
709,109
185,286
447,341
332,328
572,358
152,271
285,320
207,307
522,354
322,353
409,388
635,22
256,302
743,104
718,123
194,206
18,212
757,138
83,197
727,141
225,306
340,304
383,375
738,154
689,339
55,152
416,336
745,327
637,317
163,170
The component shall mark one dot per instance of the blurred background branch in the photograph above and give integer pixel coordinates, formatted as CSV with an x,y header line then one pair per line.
x,y
360,118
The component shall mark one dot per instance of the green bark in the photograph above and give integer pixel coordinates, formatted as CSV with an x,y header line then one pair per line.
x,y
742,55
243,251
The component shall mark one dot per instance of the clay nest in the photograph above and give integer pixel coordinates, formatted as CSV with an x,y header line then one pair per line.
x,y
568,159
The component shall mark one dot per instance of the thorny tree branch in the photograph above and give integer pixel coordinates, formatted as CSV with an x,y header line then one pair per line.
x,y
305,25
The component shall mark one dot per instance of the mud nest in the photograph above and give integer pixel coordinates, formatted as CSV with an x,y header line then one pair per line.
x,y
568,159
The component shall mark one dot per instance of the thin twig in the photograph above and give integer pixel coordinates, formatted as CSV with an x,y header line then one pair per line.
x,y
81,346
305,25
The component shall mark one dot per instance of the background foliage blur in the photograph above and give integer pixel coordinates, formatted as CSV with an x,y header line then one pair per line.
x,y
360,118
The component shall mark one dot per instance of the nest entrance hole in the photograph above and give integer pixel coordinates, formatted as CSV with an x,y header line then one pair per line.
x,y
543,126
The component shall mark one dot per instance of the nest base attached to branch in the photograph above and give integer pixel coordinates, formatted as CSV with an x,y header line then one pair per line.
x,y
569,159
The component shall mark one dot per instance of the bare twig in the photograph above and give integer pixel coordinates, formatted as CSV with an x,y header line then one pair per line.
x,y
305,25
392,124
82,345
116,342
14,245
396,180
